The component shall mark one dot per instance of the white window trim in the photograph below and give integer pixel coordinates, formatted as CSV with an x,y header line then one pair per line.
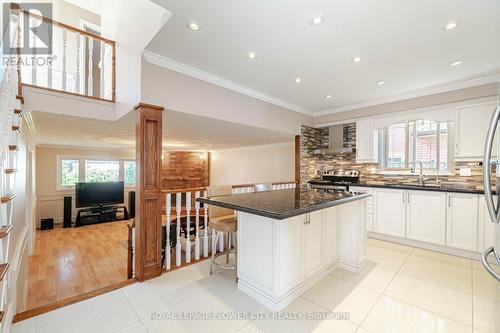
x,y
81,169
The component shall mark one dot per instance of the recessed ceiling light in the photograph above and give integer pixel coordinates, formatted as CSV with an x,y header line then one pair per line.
x,y
298,80
456,63
451,26
356,59
193,25
380,83
252,55
328,96
317,20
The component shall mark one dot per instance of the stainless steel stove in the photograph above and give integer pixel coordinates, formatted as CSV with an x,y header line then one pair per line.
x,y
336,180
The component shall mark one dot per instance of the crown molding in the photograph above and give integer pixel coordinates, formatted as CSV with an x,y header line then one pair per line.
x,y
174,65
269,145
469,83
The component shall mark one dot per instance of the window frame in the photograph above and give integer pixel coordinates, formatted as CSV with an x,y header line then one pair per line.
x,y
384,136
81,169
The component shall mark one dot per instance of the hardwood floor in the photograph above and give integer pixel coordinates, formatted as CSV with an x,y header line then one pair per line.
x,y
72,261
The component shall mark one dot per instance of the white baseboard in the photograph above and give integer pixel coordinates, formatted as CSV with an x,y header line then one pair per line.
x,y
426,246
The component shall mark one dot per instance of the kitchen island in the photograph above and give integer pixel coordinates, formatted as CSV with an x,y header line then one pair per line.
x,y
290,239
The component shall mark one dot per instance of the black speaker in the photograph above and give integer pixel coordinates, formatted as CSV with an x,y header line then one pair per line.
x,y
67,212
46,224
131,204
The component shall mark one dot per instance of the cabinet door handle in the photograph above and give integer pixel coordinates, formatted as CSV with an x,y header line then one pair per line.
x,y
449,201
408,197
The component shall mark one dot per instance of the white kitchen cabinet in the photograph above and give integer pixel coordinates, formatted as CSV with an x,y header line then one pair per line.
x,y
330,235
462,224
313,245
369,204
291,242
486,229
472,124
390,212
366,142
426,216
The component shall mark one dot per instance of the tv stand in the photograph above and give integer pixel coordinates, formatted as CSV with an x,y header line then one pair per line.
x,y
100,214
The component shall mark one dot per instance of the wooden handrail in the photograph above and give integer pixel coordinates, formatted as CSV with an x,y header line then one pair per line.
x,y
67,27
64,26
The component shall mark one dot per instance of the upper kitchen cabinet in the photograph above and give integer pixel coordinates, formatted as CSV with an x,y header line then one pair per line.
x,y
472,124
366,142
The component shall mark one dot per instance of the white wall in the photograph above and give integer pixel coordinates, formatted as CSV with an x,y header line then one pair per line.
x,y
50,200
179,92
257,164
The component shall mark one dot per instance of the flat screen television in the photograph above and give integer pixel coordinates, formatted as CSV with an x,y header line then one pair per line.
x,y
99,194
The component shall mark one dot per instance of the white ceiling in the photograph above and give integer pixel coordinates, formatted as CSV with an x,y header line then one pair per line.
x,y
181,131
403,43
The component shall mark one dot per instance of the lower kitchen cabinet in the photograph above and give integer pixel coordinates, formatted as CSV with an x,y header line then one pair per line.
x,y
369,204
312,230
390,212
330,234
453,220
486,228
426,216
462,222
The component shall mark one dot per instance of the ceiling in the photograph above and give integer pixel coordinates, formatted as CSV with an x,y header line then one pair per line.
x,y
181,131
403,43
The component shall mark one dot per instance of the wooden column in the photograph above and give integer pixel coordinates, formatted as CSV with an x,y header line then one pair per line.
x,y
148,234
297,160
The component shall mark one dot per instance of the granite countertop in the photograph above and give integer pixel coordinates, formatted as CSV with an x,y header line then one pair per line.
x,y
442,188
282,204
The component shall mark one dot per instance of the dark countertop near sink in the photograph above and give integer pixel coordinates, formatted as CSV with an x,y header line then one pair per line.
x,y
282,204
442,188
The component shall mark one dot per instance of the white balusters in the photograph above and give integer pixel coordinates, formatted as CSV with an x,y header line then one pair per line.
x,y
205,237
90,79
102,69
64,60
78,63
178,202
34,74
188,227
168,207
197,221
49,67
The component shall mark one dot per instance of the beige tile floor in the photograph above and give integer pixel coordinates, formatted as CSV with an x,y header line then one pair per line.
x,y
401,289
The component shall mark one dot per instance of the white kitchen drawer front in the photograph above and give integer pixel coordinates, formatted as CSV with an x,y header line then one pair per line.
x,y
462,221
426,216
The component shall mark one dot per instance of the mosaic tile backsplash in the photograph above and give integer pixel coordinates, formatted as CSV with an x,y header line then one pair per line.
x,y
312,164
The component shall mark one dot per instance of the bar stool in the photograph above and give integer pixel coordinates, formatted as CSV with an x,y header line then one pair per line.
x,y
222,220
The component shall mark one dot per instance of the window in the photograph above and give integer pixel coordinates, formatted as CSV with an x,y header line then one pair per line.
x,y
408,143
102,171
72,169
129,172
69,172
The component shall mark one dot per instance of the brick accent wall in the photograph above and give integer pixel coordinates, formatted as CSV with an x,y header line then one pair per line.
x,y
185,169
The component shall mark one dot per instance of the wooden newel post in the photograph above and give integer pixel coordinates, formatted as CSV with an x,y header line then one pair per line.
x,y
148,152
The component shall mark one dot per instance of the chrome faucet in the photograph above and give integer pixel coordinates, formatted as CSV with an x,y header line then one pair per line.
x,y
421,179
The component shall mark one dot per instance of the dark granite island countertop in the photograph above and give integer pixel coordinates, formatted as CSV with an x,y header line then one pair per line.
x,y
283,204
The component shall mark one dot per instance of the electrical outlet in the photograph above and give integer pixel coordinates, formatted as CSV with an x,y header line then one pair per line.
x,y
465,172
